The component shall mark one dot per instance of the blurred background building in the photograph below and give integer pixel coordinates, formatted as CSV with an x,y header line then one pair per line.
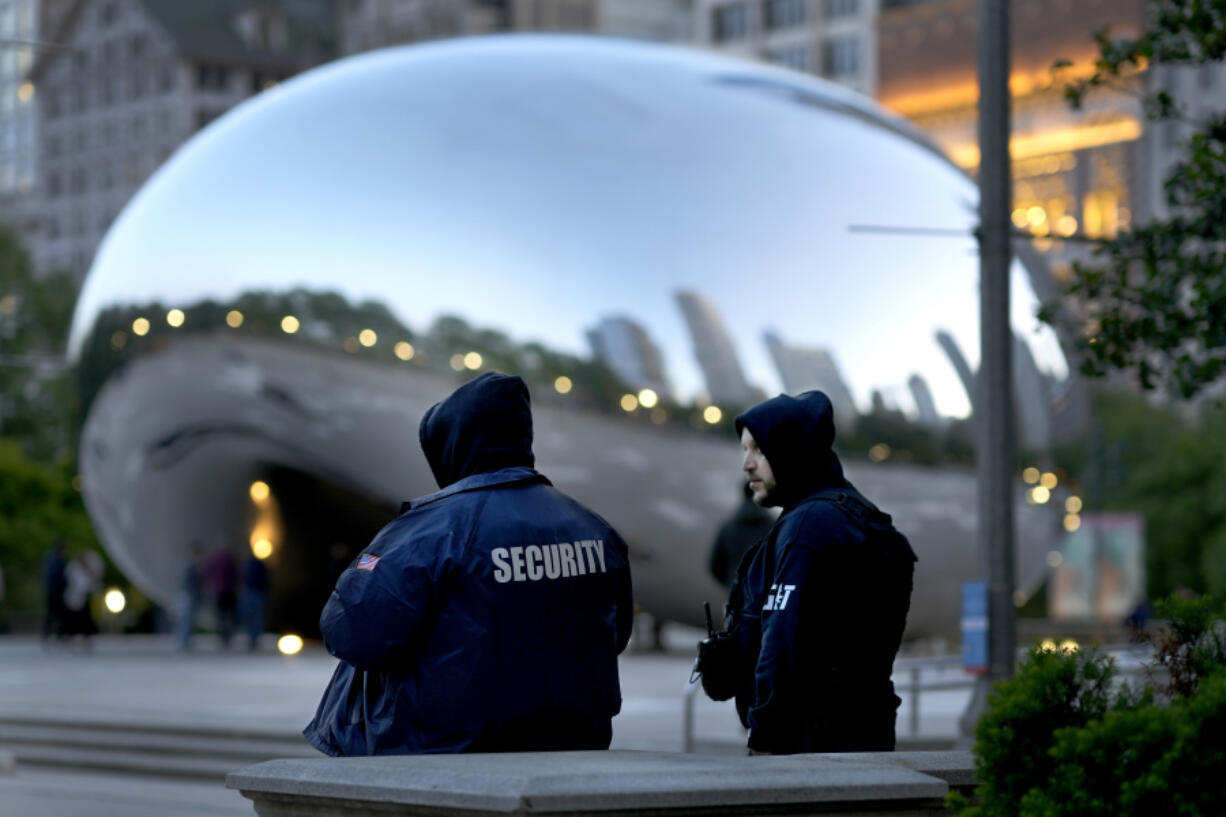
x,y
835,39
118,85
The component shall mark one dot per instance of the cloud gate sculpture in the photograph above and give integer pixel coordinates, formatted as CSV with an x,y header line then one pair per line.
x,y
651,236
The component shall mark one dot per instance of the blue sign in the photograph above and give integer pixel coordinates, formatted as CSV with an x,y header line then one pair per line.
x,y
975,627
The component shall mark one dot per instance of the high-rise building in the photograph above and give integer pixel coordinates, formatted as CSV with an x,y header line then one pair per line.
x,y
835,39
925,407
662,20
364,25
1087,172
19,28
801,369
368,24
626,348
716,354
127,82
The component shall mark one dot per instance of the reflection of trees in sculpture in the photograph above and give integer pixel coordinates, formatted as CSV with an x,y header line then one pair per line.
x,y
329,321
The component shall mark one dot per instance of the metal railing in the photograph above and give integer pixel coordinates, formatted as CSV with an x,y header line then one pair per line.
x,y
914,685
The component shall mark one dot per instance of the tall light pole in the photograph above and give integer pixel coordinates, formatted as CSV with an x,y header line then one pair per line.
x,y
996,450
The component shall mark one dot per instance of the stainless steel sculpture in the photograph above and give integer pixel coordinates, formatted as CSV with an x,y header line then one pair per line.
x,y
565,196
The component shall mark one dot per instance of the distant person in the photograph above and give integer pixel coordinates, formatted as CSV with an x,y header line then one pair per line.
x,y
191,591
221,582
254,600
54,564
82,579
748,524
489,615
809,645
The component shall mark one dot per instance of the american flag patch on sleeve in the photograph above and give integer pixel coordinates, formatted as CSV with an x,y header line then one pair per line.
x,y
367,562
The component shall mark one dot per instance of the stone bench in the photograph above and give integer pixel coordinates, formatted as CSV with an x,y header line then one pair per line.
x,y
609,784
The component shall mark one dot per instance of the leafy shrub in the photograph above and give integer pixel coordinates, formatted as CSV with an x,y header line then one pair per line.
x,y
1057,741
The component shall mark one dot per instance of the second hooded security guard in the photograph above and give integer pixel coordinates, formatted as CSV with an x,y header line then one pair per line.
x,y
820,603
488,616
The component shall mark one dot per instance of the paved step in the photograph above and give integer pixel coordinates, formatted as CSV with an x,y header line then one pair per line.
x,y
132,763
180,751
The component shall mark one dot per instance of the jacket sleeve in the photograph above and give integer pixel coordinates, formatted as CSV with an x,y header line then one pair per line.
x,y
375,618
776,718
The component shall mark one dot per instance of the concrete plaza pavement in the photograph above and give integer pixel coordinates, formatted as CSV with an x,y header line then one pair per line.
x,y
145,681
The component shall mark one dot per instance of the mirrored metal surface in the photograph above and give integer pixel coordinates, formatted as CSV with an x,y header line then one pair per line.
x,y
609,219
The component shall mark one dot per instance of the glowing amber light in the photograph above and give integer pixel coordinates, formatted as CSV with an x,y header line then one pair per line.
x,y
175,318
879,452
261,549
1069,645
259,490
1037,216
1047,645
1066,225
457,362
289,324
115,600
1049,481
1019,218
140,327
25,91
404,350
648,398
1031,475
563,385
1073,504
472,360
629,402
1072,522
1040,494
234,319
368,338
712,414
289,644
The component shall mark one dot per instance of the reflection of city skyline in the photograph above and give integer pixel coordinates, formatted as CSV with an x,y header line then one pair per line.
x,y
626,348
715,352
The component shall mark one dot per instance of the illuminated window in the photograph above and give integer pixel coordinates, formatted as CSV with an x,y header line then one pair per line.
x,y
1100,214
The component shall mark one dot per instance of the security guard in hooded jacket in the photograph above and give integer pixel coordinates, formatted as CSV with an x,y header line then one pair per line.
x,y
489,615
819,607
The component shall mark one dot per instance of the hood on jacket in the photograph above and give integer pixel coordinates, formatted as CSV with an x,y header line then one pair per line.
x,y
796,434
485,425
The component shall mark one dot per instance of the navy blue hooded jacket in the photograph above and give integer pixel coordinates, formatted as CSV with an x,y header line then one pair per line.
x,y
820,604
489,615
